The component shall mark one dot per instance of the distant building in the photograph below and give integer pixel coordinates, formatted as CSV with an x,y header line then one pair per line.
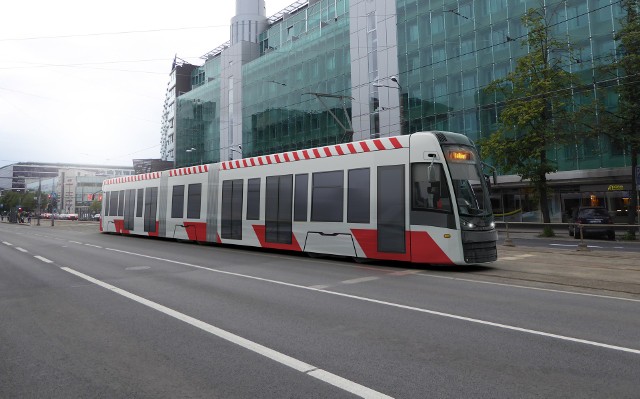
x,y
179,83
72,185
141,166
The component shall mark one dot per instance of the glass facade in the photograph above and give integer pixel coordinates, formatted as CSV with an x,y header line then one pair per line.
x,y
198,118
298,88
449,50
307,53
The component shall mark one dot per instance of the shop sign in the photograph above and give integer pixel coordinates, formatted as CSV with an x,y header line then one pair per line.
x,y
615,187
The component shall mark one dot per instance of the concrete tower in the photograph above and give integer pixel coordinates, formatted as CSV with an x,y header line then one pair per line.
x,y
250,20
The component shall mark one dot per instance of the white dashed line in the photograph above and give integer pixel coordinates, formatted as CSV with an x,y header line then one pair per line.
x,y
45,260
21,249
397,305
7,243
359,280
91,245
313,371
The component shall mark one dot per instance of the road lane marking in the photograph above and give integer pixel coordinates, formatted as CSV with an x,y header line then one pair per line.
x,y
359,280
298,365
396,305
91,245
516,257
75,242
21,249
7,243
529,288
405,273
319,287
45,260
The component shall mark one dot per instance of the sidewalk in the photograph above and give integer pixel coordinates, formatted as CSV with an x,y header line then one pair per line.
x,y
593,271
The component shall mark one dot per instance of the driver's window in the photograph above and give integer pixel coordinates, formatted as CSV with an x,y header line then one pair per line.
x,y
429,188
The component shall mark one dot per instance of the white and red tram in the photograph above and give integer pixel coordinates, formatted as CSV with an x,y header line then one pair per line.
x,y
417,198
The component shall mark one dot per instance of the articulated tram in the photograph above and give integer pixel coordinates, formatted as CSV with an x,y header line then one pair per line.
x,y
417,198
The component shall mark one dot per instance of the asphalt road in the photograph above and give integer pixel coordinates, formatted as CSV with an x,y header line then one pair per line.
x,y
85,314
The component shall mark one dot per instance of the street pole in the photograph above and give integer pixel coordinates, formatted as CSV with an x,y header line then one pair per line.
x,y
39,195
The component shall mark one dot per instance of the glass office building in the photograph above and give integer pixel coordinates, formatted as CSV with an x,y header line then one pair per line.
x,y
330,71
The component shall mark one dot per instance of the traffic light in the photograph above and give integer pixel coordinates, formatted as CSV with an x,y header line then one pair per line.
x,y
89,197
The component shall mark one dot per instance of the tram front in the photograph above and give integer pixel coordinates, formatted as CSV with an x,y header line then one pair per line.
x,y
475,217
450,202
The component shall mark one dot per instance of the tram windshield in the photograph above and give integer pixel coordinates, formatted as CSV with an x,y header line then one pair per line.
x,y
470,189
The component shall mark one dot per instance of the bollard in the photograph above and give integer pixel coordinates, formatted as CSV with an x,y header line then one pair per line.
x,y
583,245
507,241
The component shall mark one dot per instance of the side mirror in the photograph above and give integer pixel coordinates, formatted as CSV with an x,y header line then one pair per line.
x,y
487,181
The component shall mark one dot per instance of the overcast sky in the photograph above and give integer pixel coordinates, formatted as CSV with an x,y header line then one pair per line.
x,y
85,82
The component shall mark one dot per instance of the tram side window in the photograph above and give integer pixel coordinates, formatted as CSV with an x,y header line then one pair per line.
x,y
121,203
177,202
253,199
194,201
301,198
140,203
327,196
430,191
358,199
113,203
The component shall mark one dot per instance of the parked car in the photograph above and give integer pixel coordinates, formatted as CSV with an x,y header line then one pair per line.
x,y
595,220
96,217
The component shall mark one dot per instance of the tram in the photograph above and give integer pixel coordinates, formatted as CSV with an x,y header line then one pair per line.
x,y
419,198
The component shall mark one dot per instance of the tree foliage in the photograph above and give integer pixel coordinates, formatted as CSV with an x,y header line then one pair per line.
x,y
623,124
539,108
96,206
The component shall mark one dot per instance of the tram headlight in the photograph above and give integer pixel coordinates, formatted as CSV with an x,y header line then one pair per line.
x,y
493,225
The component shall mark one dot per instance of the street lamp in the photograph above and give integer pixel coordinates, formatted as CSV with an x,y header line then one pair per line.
x,y
192,149
394,79
232,150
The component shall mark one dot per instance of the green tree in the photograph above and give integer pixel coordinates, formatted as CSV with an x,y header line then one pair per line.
x,y
96,206
539,108
623,123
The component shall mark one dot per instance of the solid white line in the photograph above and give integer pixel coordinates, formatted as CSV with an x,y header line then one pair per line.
x,y
359,280
43,259
21,249
7,243
319,287
279,357
396,305
528,288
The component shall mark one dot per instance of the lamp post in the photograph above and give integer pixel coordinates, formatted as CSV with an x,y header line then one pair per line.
x,y
193,149
232,150
400,106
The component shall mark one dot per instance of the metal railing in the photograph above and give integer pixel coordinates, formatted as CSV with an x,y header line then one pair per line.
x,y
579,230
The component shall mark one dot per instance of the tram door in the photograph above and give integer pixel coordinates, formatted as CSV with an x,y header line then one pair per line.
x,y
391,209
